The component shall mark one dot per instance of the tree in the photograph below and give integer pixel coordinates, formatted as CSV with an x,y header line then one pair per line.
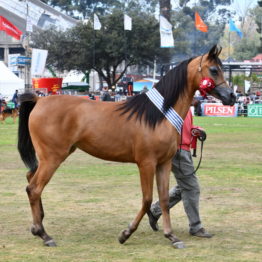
x,y
105,50
189,41
85,8
165,8
257,13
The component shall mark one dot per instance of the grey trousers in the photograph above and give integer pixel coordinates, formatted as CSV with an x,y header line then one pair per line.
x,y
187,189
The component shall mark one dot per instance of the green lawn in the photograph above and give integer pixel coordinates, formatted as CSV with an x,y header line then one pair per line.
x,y
89,201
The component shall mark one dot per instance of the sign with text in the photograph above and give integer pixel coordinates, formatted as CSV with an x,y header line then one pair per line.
x,y
254,110
214,109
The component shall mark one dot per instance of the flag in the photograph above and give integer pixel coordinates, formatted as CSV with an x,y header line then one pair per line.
x,y
233,28
200,25
166,33
97,24
9,28
127,22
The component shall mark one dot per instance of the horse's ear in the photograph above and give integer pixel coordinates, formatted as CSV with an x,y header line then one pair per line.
x,y
214,52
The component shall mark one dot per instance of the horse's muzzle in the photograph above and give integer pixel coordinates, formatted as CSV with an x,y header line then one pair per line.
x,y
225,94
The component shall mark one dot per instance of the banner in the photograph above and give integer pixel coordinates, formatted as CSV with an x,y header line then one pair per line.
x,y
214,109
166,33
254,110
9,28
200,25
127,22
38,61
97,24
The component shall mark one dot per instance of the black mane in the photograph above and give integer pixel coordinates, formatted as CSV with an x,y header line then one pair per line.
x,y
170,86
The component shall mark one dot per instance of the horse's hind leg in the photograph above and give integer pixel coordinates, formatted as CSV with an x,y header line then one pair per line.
x,y
29,176
162,178
34,190
147,172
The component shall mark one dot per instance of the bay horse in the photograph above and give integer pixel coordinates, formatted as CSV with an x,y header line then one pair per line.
x,y
133,131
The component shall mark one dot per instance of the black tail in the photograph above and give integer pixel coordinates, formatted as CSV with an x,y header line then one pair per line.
x,y
25,146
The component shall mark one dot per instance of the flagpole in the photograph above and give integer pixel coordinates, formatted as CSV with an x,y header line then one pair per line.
x,y
195,32
125,38
27,49
229,45
94,49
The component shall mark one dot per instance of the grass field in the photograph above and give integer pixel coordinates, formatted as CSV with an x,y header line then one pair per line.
x,y
89,201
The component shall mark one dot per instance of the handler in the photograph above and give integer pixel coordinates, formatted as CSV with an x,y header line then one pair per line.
x,y
187,187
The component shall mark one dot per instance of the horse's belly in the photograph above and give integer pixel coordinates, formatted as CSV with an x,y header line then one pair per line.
x,y
115,152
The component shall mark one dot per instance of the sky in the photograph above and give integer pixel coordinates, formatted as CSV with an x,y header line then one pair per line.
x,y
238,6
243,4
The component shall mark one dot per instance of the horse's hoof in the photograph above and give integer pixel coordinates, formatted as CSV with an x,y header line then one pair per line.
x,y
50,243
178,244
123,237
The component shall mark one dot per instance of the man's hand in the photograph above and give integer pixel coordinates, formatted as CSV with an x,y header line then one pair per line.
x,y
199,133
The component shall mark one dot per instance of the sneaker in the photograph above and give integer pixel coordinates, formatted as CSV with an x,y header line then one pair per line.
x,y
202,233
152,221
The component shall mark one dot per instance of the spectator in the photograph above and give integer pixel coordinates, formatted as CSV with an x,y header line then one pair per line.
x,y
105,95
15,98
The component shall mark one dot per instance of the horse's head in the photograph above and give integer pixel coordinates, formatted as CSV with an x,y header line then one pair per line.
x,y
212,79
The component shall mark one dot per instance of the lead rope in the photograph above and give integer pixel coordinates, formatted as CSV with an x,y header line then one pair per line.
x,y
201,152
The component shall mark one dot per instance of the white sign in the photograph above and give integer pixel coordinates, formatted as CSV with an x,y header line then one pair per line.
x,y
38,61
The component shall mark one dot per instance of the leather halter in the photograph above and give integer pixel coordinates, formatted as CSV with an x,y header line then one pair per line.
x,y
206,83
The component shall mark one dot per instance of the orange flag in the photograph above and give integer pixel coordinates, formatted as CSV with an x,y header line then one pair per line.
x,y
200,25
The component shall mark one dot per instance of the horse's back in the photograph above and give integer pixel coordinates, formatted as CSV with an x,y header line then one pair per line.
x,y
98,128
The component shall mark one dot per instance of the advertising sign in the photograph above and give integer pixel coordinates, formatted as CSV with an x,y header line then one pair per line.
x,y
9,28
254,110
23,60
51,84
214,109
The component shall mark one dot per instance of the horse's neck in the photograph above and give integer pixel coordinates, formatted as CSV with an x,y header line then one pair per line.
x,y
183,104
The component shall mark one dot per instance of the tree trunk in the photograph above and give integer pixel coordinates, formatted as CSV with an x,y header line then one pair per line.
x,y
165,7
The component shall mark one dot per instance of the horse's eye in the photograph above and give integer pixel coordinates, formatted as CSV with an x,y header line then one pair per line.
x,y
213,70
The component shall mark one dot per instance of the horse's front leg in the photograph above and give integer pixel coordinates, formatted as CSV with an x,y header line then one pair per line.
x,y
162,178
147,171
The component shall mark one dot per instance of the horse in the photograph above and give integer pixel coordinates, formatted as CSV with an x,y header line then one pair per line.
x,y
133,131
9,112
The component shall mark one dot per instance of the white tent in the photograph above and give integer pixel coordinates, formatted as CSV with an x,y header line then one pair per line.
x,y
9,82
74,78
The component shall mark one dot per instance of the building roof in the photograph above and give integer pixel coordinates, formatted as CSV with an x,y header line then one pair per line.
x,y
40,14
257,57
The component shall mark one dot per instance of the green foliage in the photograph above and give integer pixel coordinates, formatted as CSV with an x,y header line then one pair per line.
x,y
85,8
245,49
238,80
257,13
104,50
